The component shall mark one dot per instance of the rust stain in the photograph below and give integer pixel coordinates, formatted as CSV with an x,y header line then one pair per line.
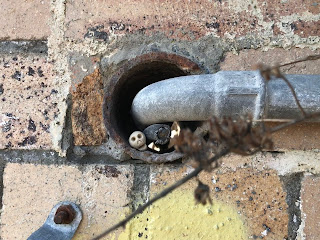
x,y
65,214
86,114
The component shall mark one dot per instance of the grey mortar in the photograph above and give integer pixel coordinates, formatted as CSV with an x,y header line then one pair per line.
x,y
140,190
23,47
292,185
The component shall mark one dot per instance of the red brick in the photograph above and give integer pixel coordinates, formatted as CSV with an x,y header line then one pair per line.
x,y
182,19
28,102
247,60
303,136
24,19
273,10
311,207
306,28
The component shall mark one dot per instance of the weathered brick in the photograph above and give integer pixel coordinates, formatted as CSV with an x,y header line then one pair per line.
x,y
28,101
182,19
306,28
246,204
284,163
303,136
247,60
273,10
80,66
24,20
87,120
30,192
310,201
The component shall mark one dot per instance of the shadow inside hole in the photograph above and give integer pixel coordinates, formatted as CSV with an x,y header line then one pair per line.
x,y
192,125
129,85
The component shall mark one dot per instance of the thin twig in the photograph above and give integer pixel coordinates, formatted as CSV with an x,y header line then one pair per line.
x,y
309,58
161,195
293,93
293,122
264,120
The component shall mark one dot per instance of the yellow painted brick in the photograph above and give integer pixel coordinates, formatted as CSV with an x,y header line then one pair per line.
x,y
253,198
178,217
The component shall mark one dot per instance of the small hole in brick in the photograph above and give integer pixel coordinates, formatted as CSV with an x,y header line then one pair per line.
x,y
128,81
133,81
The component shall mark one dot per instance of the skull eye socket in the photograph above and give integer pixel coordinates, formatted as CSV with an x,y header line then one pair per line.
x,y
133,139
139,136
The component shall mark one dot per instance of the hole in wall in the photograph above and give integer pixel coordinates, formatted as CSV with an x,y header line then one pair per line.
x,y
136,79
126,83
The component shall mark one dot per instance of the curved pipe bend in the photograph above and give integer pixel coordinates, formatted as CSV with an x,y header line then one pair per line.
x,y
226,93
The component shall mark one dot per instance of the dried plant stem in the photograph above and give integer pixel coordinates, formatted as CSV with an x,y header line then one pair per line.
x,y
162,194
293,93
309,58
293,122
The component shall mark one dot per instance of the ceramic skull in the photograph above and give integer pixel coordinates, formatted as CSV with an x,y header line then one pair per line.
x,y
138,140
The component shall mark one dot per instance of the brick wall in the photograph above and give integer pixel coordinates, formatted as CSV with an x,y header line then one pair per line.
x,y
61,60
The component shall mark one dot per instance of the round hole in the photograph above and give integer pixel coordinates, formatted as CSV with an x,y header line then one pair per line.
x,y
123,86
135,79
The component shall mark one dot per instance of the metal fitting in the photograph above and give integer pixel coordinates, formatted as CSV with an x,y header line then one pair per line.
x,y
61,224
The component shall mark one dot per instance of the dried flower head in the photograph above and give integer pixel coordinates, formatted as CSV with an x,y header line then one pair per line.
x,y
194,146
267,72
202,193
238,135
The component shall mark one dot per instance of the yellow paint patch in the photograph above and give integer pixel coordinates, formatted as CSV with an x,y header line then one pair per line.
x,y
177,217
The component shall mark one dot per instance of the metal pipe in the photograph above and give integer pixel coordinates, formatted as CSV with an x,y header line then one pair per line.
x,y
226,93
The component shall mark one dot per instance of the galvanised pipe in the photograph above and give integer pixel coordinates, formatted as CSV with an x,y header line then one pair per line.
x,y
226,93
